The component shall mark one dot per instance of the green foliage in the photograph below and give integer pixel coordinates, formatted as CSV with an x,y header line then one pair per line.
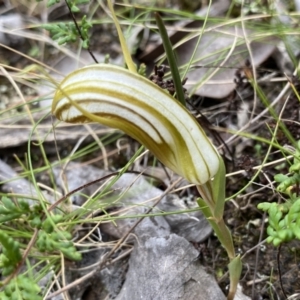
x,y
11,254
49,237
18,209
284,218
50,240
21,288
68,33
62,32
72,3
9,210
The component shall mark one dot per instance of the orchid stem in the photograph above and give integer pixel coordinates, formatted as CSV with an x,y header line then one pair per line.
x,y
220,228
212,206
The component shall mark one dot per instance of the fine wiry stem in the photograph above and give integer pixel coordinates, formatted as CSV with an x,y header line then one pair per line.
x,y
80,33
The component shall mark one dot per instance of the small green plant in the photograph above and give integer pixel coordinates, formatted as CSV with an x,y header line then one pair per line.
x,y
50,240
18,223
284,218
21,287
11,254
69,32
9,210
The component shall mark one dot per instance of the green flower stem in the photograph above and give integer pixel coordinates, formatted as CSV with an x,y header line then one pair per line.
x,y
223,234
235,270
212,205
219,227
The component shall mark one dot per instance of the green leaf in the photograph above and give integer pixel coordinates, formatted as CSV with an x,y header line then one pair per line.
x,y
75,9
289,182
294,211
85,44
171,59
21,288
49,223
280,178
271,232
57,241
295,168
218,186
285,235
51,2
264,206
8,204
277,242
11,254
10,217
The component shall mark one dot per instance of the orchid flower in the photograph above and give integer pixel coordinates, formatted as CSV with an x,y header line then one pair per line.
x,y
123,99
118,98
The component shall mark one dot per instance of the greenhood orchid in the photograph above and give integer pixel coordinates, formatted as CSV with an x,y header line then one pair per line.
x,y
127,101
123,99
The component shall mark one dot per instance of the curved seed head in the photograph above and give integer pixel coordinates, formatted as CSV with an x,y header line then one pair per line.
x,y
121,99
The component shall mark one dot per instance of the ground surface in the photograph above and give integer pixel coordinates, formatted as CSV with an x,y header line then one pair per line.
x,y
247,223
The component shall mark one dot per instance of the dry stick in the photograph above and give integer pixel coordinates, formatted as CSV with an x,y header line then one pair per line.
x,y
62,172
52,206
217,69
122,255
279,271
257,254
115,248
39,38
34,236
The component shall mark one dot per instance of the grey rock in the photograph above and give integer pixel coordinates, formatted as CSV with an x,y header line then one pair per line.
x,y
11,182
193,226
166,268
137,196
11,29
